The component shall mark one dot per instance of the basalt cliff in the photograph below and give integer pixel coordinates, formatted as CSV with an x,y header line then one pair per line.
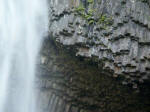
x,y
96,57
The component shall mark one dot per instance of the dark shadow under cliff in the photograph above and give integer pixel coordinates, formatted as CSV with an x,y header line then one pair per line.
x,y
75,84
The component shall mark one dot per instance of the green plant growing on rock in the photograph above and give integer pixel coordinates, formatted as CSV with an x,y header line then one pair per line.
x,y
90,1
91,11
79,9
88,15
91,22
104,20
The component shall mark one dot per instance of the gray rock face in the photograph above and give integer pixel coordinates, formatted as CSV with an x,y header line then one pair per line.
x,y
66,83
81,52
123,47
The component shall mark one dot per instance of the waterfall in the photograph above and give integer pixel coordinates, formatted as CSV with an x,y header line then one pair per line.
x,y
22,25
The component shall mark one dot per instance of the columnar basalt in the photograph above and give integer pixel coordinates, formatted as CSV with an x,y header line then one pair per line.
x,y
95,46
123,46
67,83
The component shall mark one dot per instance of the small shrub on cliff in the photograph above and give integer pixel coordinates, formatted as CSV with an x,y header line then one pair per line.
x,y
88,15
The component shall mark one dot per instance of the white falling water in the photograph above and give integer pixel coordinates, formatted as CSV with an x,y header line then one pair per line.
x,y
22,24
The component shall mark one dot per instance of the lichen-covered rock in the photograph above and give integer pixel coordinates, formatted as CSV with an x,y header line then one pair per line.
x,y
122,46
